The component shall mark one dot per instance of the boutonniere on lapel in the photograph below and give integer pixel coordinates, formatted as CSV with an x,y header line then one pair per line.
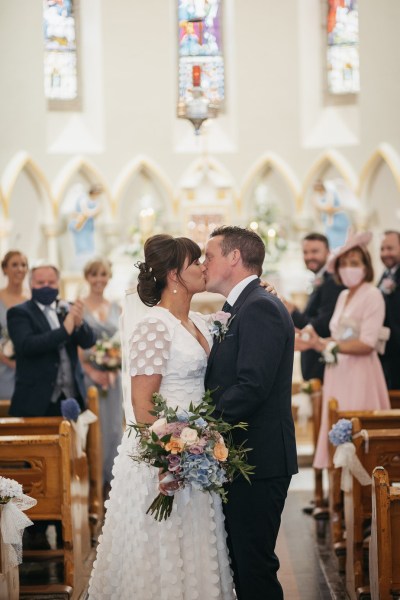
x,y
388,285
219,324
62,308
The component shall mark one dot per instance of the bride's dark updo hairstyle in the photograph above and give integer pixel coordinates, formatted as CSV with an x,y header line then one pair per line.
x,y
163,253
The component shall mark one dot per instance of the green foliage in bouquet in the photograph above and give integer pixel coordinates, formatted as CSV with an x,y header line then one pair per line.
x,y
191,448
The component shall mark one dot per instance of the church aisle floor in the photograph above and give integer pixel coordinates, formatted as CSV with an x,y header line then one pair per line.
x,y
308,566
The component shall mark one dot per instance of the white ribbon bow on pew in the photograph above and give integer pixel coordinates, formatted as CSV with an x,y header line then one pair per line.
x,y
81,427
13,523
346,458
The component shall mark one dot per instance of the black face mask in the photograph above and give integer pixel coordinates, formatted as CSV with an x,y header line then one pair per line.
x,y
45,295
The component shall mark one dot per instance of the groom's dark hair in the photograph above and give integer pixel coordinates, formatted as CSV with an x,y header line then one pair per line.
x,y
251,246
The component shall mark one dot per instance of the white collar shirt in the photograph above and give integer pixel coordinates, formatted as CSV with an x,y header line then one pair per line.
x,y
238,289
50,313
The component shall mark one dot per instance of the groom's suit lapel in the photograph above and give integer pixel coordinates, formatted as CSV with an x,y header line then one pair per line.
x,y
235,309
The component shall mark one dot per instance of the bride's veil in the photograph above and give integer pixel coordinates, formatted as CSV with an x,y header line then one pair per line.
x,y
133,311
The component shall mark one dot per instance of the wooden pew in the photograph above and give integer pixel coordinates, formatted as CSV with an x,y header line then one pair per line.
x,y
383,450
394,397
4,407
95,460
369,419
87,468
42,464
384,550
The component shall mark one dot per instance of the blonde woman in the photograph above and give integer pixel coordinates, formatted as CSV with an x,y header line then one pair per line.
x,y
103,317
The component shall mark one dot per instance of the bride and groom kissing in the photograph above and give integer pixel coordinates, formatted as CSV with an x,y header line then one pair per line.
x,y
192,555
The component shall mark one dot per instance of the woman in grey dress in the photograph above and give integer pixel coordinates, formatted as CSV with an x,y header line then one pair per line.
x,y
103,318
15,267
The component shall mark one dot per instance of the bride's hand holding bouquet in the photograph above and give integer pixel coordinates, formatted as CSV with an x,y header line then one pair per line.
x,y
191,449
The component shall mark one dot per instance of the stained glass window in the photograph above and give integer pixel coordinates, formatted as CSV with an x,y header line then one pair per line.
x,y
342,51
60,50
200,44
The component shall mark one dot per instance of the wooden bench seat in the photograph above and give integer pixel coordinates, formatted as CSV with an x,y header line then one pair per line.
x,y
42,464
87,468
382,449
384,554
368,419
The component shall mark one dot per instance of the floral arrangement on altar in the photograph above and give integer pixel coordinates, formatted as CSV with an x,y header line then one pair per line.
x,y
192,449
106,355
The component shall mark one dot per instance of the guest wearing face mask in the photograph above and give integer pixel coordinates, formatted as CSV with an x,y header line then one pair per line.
x,y
46,334
353,373
15,267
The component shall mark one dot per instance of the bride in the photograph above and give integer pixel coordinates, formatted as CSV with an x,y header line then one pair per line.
x,y
184,557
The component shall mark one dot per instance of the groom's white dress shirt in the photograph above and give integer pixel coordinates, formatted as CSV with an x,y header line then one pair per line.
x,y
238,289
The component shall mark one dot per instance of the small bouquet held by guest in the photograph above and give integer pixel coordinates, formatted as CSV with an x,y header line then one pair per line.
x,y
106,354
192,449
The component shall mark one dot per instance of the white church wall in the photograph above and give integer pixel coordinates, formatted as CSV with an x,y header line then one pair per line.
x,y
276,100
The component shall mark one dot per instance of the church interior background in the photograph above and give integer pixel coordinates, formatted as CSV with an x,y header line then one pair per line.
x,y
305,133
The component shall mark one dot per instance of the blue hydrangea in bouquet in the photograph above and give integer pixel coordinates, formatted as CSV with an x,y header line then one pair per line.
x,y
341,432
190,448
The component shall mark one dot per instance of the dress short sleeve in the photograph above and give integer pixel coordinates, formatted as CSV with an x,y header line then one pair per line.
x,y
373,317
149,348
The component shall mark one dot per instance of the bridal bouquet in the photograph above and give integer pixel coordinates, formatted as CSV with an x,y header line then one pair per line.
x,y
192,448
106,355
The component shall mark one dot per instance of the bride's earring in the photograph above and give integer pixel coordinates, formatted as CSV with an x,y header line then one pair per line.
x,y
175,291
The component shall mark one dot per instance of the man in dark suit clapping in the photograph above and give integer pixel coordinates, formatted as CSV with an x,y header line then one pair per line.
x,y
321,302
45,340
389,284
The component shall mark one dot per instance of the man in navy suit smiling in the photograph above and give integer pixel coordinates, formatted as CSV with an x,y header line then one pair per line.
x,y
250,370
45,340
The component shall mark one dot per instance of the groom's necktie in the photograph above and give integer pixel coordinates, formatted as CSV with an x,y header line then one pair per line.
x,y
227,307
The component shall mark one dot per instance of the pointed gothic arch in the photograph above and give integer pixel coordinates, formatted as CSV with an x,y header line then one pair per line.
x,y
84,167
330,158
379,189
272,162
143,165
20,163
385,153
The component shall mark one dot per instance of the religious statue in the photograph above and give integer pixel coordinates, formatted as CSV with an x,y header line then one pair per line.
x,y
82,223
334,203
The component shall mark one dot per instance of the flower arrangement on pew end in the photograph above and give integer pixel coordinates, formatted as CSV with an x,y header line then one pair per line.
x,y
13,521
192,449
341,432
345,457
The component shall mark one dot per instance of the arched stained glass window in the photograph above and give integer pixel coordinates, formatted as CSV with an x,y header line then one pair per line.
x,y
60,53
342,51
200,45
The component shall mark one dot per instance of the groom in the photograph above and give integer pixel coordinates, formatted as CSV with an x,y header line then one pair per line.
x,y
251,371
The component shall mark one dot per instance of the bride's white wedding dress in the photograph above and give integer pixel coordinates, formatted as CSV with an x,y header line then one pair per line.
x,y
184,557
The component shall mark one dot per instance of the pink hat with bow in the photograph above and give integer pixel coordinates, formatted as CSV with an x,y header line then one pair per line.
x,y
361,239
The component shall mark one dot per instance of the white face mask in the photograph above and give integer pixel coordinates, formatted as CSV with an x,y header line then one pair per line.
x,y
351,276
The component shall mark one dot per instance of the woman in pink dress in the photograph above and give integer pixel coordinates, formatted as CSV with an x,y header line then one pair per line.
x,y
356,380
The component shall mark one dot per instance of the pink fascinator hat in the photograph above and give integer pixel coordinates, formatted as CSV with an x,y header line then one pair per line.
x,y
355,240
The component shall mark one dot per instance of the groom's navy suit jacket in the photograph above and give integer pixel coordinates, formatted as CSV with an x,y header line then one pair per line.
x,y
37,358
251,373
